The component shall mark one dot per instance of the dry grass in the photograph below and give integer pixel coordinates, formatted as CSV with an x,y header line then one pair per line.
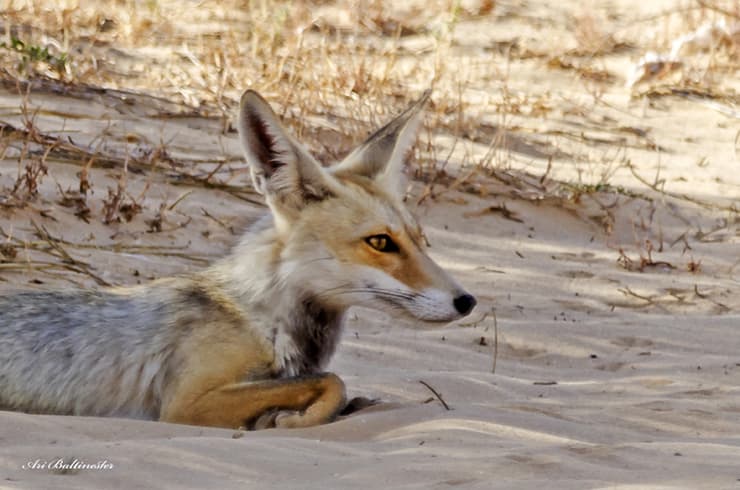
x,y
350,63
204,56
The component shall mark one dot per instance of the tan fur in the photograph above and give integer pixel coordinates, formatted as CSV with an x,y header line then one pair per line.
x,y
244,342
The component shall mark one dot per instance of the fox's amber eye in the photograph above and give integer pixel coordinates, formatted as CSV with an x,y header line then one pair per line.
x,y
382,243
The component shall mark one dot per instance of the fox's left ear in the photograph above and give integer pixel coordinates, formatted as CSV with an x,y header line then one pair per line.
x,y
382,155
288,176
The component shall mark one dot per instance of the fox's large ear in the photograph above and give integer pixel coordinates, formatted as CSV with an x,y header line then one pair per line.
x,y
282,170
382,155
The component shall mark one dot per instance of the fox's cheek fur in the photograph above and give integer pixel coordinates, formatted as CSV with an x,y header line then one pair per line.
x,y
413,286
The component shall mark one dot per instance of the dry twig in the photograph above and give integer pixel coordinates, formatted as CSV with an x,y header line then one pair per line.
x,y
439,397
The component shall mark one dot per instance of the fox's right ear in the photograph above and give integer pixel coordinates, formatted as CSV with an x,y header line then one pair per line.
x,y
382,155
282,170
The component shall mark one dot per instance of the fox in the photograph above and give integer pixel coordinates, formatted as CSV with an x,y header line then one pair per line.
x,y
244,342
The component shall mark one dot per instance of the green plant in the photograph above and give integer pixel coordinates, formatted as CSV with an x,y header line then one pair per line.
x,y
31,54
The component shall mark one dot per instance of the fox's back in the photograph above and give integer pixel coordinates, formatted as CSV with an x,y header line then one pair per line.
x,y
58,348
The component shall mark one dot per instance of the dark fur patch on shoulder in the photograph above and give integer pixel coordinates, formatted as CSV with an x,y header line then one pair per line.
x,y
209,304
197,295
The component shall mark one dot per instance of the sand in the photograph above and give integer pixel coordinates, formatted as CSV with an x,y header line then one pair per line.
x,y
610,371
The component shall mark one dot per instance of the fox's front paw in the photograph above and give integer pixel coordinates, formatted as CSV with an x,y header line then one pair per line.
x,y
284,419
266,420
358,403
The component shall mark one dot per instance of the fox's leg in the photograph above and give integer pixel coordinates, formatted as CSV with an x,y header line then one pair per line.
x,y
294,402
291,418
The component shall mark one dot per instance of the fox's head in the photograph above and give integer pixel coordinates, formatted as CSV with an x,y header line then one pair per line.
x,y
347,237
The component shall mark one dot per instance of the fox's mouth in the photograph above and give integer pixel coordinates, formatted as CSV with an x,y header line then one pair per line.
x,y
404,306
428,305
395,303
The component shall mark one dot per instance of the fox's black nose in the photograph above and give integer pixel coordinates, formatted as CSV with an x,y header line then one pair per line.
x,y
464,304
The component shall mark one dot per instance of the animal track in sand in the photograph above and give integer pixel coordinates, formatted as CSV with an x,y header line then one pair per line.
x,y
576,274
630,342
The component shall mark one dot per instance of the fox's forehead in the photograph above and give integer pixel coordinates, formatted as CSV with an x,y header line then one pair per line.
x,y
377,210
